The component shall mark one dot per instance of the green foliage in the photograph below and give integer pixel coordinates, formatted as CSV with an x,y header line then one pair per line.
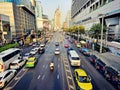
x,y
95,30
5,47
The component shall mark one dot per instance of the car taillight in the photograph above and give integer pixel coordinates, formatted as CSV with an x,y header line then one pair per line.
x,y
16,64
0,82
2,66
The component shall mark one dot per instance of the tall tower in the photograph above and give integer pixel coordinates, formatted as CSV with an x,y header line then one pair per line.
x,y
57,19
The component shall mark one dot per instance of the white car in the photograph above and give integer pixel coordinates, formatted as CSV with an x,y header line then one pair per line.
x,y
26,56
42,45
6,76
33,51
57,51
17,64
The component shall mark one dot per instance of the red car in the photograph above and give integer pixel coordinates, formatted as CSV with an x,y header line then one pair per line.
x,y
66,46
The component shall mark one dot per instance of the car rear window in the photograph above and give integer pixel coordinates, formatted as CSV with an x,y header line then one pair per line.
x,y
75,58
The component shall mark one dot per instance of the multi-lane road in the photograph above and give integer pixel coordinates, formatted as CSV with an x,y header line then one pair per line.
x,y
41,78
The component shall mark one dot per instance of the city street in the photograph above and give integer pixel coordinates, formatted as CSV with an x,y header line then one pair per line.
x,y
41,78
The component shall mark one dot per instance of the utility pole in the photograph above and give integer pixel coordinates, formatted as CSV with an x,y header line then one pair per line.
x,y
101,43
78,35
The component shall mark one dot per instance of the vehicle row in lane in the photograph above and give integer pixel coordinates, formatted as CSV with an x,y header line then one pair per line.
x,y
89,69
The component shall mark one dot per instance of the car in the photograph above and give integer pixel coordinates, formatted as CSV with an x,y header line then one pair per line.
x,y
93,59
57,51
57,44
42,45
31,62
85,51
6,76
83,80
41,50
17,64
69,50
66,46
26,56
78,45
33,51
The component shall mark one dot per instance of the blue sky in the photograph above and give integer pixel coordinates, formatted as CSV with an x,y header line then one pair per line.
x,y
49,7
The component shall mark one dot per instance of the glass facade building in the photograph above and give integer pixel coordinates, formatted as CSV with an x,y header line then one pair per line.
x,y
18,2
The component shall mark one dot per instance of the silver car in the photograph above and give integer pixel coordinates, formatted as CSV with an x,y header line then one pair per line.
x,y
6,76
17,64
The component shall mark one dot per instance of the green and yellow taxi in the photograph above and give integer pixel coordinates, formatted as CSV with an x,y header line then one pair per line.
x,y
83,81
31,62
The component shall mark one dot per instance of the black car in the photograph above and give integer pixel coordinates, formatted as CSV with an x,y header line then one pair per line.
x,y
57,44
93,59
41,50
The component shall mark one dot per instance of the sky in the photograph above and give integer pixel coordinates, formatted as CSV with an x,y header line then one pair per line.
x,y
49,7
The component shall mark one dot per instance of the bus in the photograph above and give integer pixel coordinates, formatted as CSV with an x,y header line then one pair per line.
x,y
74,58
8,56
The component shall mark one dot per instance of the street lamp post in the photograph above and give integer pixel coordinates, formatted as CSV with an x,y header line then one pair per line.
x,y
101,43
78,35
107,33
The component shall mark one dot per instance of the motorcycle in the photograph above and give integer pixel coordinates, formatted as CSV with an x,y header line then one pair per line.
x,y
52,66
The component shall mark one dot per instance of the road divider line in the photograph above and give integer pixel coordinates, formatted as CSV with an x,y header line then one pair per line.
x,y
43,66
39,77
58,76
70,81
43,77
58,65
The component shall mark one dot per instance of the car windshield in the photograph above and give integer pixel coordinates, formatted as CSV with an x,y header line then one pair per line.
x,y
84,79
0,78
75,58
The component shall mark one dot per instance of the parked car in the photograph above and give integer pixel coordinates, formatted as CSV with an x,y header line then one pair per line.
x,y
31,62
17,64
6,76
57,51
26,56
93,59
85,51
100,66
78,45
66,45
83,80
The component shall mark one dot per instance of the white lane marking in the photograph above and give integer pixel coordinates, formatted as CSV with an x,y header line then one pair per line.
x,y
39,77
46,66
58,76
43,66
43,77
58,65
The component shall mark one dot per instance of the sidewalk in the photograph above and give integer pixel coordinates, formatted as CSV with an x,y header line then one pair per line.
x,y
109,59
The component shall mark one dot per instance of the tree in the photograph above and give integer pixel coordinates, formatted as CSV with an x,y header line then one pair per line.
x,y
95,30
80,30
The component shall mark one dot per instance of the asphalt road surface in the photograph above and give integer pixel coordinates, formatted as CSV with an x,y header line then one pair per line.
x,y
41,78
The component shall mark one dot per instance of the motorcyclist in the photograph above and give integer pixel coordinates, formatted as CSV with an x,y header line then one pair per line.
x,y
52,65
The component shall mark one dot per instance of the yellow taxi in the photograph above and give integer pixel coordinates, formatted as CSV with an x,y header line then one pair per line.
x,y
31,62
83,81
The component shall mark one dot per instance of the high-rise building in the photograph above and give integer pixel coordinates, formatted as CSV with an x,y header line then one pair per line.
x,y
89,12
57,19
68,19
39,13
21,14
5,33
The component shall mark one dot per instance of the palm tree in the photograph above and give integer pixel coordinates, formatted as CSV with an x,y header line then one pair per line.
x,y
95,31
